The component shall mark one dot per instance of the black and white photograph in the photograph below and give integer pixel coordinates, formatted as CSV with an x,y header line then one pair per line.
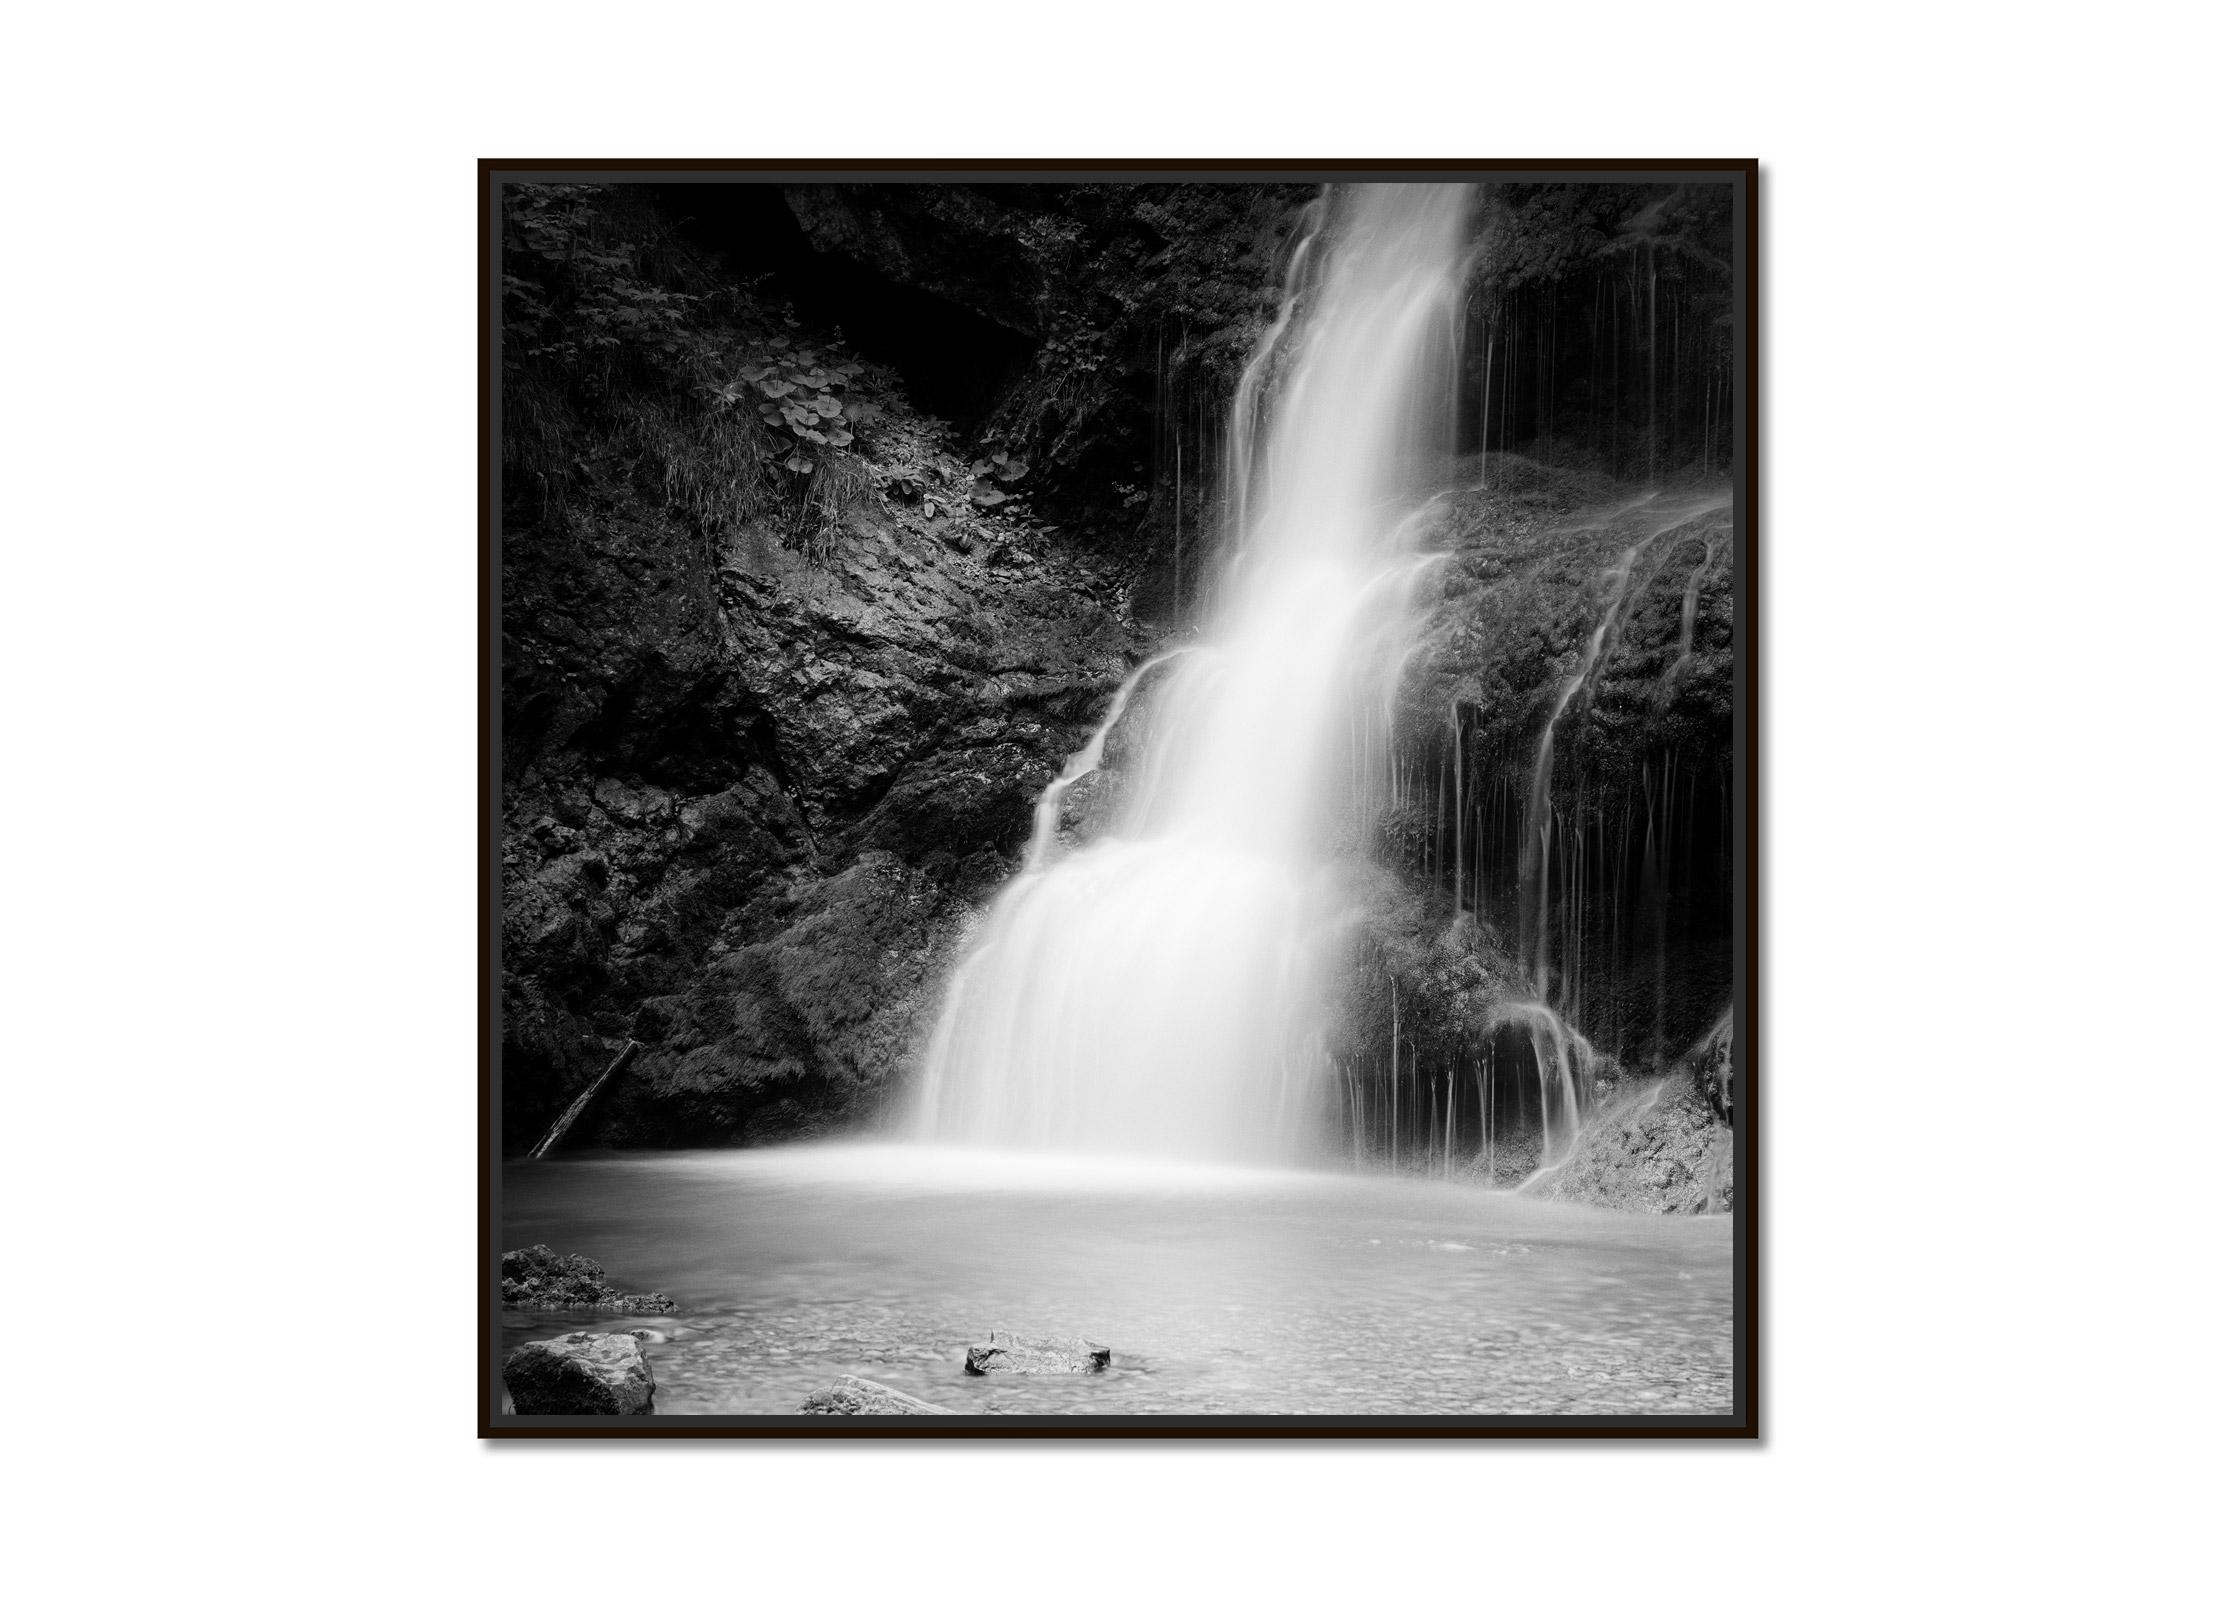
x,y
1120,799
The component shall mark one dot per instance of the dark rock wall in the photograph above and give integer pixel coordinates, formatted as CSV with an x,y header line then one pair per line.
x,y
1641,892
1142,302
1600,333
746,809
755,782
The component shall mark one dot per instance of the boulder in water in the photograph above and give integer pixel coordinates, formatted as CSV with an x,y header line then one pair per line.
x,y
581,1374
541,1279
852,1396
1012,1352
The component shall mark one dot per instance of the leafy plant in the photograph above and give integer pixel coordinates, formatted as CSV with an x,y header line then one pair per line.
x,y
591,281
814,393
991,470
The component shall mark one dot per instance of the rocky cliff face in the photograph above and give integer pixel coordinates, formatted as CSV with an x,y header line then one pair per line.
x,y
1537,562
764,752
752,793
1140,304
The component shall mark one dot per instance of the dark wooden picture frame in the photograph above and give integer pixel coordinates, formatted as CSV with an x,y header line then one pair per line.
x,y
1744,1422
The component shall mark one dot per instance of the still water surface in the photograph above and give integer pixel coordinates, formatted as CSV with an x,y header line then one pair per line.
x,y
1219,1289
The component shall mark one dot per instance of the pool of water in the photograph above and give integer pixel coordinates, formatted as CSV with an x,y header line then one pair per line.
x,y
1220,1290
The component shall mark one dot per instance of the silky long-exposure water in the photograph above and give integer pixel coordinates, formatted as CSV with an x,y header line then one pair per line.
x,y
1220,1289
1162,989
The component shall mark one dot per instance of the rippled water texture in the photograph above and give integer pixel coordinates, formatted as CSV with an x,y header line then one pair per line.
x,y
1219,1289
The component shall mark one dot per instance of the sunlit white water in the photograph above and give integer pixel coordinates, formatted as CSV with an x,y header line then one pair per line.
x,y
1161,989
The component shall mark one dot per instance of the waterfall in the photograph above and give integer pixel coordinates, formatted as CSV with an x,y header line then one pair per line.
x,y
1534,859
1244,410
1562,1057
1161,989
1089,758
1564,1062
1688,601
1533,863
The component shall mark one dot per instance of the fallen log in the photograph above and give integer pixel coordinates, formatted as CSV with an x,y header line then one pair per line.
x,y
576,1107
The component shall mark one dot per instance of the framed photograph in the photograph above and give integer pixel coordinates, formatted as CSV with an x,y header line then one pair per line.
x,y
1119,801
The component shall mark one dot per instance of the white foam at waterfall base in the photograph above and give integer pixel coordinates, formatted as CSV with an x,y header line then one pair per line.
x,y
1161,990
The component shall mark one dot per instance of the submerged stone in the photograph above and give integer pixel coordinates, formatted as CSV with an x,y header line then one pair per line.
x,y
1012,1352
581,1374
852,1396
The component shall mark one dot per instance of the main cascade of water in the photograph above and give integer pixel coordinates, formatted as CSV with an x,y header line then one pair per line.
x,y
1162,989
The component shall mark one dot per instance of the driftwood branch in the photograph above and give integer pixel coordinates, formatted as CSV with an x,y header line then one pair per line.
x,y
551,1141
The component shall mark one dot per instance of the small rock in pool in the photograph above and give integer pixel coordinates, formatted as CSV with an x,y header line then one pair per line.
x,y
1012,1352
860,1397
581,1375
541,1279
